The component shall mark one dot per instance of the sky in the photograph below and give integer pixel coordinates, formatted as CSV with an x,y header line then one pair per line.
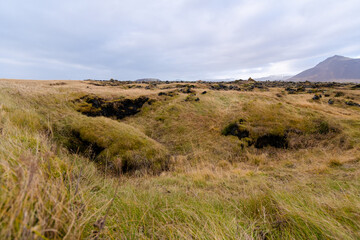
x,y
173,39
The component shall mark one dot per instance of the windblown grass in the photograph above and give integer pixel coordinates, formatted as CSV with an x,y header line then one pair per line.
x,y
215,188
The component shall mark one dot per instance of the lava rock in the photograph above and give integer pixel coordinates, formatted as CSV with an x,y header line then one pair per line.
x,y
351,103
316,97
273,140
118,108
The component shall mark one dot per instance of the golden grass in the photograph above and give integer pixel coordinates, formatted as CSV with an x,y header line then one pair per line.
x,y
214,189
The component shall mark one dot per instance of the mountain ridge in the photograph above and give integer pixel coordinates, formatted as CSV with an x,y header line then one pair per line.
x,y
333,69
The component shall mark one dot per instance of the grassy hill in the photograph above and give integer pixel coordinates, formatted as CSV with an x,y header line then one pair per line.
x,y
240,160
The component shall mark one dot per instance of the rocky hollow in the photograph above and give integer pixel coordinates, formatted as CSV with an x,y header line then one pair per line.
x,y
119,108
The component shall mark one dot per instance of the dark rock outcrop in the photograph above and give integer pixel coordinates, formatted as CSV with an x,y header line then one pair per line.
x,y
272,140
119,108
316,97
351,103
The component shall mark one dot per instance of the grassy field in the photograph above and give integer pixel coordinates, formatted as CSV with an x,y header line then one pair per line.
x,y
260,164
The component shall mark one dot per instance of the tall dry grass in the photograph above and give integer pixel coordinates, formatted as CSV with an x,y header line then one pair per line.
x,y
215,189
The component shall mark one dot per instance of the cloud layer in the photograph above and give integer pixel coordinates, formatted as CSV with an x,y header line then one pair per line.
x,y
182,39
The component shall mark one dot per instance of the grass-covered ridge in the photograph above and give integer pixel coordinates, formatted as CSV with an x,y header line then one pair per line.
x,y
170,172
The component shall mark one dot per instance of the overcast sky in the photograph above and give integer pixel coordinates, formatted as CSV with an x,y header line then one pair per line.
x,y
172,39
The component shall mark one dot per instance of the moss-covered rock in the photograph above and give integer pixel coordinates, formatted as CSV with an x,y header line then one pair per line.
x,y
236,129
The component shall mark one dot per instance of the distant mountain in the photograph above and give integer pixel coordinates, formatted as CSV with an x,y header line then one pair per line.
x,y
333,69
274,78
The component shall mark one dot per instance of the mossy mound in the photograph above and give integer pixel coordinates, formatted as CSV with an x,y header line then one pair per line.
x,y
114,145
277,126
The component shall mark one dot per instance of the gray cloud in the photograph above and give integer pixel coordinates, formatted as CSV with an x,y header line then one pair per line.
x,y
187,39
